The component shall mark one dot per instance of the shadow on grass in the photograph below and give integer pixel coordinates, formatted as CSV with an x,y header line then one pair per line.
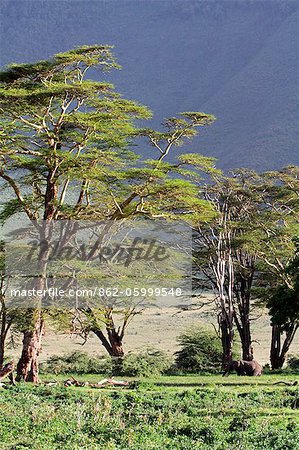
x,y
256,413
178,384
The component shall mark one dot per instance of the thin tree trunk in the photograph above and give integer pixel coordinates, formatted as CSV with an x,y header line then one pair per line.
x,y
247,350
3,320
227,337
244,272
4,329
2,334
243,327
224,273
1,353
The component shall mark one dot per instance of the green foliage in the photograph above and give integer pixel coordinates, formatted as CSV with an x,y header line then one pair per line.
x,y
76,362
10,208
200,351
293,362
146,363
57,121
66,145
155,416
283,301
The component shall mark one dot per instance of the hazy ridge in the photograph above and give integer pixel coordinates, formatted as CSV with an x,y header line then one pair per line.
x,y
235,59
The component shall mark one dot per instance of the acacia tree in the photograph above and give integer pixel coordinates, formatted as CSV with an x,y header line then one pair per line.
x,y
278,223
153,195
213,259
245,205
283,304
250,239
65,154
225,258
43,136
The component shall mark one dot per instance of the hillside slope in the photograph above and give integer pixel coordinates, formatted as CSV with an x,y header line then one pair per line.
x,y
235,59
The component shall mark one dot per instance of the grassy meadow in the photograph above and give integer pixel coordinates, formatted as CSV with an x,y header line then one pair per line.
x,y
167,412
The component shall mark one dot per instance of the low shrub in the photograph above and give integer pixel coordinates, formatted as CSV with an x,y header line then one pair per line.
x,y
146,363
149,362
200,351
77,362
293,363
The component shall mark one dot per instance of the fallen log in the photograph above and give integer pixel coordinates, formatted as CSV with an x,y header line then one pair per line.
x,y
100,384
73,382
287,383
50,383
113,382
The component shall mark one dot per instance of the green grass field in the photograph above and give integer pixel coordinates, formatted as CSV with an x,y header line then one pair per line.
x,y
177,412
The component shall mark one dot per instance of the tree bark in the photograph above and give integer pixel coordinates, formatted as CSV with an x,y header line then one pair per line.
x,y
243,327
50,196
4,329
227,337
7,371
244,272
1,353
280,349
114,345
27,368
2,334
247,350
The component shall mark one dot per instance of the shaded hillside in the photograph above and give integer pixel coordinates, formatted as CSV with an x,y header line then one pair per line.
x,y
235,59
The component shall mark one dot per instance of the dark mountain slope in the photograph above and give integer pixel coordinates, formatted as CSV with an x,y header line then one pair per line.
x,y
235,59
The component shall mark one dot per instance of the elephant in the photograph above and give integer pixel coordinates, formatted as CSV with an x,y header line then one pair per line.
x,y
249,368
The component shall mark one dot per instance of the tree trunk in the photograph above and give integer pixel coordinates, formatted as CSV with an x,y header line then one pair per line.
x,y
4,329
114,348
5,324
244,272
247,350
116,343
117,351
50,196
27,368
279,350
227,338
243,327
1,353
113,343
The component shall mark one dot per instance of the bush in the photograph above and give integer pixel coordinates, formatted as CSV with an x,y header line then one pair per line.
x,y
77,362
147,363
293,362
201,350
